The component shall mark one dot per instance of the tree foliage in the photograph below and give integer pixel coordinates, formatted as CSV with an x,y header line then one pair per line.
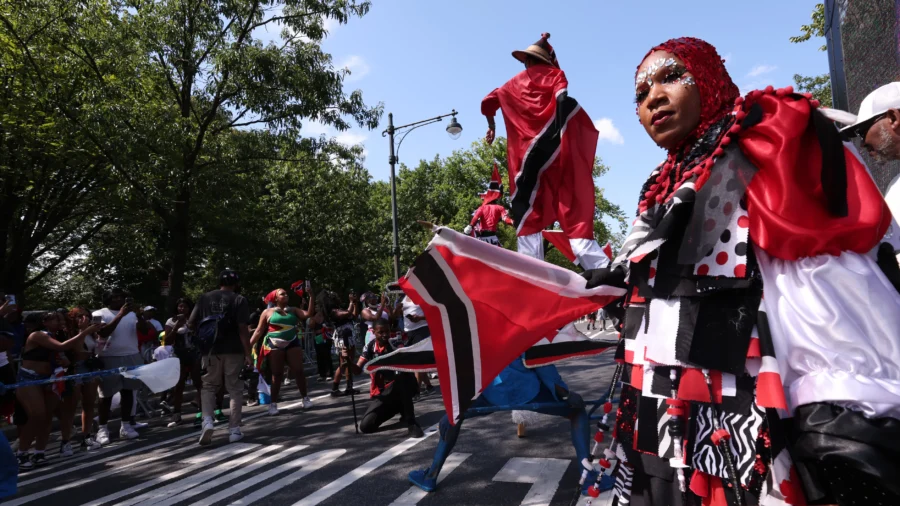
x,y
819,86
154,142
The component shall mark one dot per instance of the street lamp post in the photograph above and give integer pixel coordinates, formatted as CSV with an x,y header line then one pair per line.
x,y
454,129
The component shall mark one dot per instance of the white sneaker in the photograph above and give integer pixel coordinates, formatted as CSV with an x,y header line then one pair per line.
x,y
206,433
273,409
65,450
127,432
307,403
235,435
139,425
89,443
287,381
103,435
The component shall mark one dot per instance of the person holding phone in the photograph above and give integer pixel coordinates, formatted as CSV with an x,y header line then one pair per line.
x,y
78,319
179,338
7,343
39,401
118,347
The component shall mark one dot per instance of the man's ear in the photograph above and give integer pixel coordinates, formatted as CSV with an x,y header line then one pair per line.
x,y
894,117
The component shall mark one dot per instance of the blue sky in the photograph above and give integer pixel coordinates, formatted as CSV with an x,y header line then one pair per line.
x,y
424,58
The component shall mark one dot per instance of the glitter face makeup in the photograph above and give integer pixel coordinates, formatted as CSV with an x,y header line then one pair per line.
x,y
675,75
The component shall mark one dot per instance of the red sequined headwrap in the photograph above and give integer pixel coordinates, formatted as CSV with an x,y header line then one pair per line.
x,y
717,96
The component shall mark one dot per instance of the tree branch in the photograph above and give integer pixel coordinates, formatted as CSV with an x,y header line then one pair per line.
x,y
65,256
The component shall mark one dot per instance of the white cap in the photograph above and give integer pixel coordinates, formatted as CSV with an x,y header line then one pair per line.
x,y
149,308
876,103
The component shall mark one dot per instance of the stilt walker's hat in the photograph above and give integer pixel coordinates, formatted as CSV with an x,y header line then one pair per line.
x,y
542,50
495,188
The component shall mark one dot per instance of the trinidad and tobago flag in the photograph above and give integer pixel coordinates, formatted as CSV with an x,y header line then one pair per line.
x,y
485,306
568,343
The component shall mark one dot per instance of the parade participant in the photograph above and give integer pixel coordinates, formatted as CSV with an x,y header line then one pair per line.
x,y
324,364
391,392
372,312
281,345
551,143
489,214
341,321
759,287
517,385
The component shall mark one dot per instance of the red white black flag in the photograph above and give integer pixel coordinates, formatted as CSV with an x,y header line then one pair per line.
x,y
485,306
566,344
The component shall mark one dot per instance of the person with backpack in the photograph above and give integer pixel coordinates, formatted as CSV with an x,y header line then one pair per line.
x,y
219,326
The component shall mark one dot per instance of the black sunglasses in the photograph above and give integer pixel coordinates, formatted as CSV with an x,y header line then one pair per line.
x,y
863,129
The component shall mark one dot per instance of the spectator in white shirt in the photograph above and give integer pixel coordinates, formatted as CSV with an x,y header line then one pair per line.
x,y
118,347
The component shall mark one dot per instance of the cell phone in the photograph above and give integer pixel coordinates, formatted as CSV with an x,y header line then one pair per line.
x,y
11,299
96,320
129,301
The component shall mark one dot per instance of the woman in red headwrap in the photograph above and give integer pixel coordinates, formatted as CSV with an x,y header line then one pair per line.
x,y
791,398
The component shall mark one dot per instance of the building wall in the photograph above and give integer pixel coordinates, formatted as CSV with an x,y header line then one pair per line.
x,y
870,38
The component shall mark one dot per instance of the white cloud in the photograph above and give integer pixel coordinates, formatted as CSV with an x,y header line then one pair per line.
x,y
329,24
357,66
350,138
760,70
608,131
314,128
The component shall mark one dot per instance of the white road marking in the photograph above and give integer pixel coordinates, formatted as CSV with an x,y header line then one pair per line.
x,y
208,458
190,481
543,473
415,494
108,449
246,475
116,457
85,479
349,478
307,465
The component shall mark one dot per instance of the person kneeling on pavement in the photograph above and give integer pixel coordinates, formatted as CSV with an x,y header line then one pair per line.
x,y
391,392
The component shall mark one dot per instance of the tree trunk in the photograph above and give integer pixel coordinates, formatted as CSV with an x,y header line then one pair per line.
x,y
180,237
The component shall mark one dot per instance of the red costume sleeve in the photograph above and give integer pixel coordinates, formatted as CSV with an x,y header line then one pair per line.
x,y
477,216
490,104
786,204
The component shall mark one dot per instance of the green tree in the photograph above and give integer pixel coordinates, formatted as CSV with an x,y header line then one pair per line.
x,y
51,181
819,86
445,191
176,78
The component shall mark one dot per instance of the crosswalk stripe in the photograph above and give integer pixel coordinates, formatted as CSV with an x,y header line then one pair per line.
x,y
164,492
415,494
247,475
210,458
307,465
117,456
544,474
82,480
349,478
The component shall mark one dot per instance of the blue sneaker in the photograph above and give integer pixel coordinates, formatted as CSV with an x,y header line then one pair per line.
x,y
588,482
421,480
606,482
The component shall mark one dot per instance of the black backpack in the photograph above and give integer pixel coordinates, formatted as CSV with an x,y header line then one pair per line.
x,y
210,328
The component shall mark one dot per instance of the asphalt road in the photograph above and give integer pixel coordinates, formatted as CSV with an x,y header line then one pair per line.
x,y
315,457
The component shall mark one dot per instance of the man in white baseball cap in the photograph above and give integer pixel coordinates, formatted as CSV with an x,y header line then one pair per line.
x,y
878,123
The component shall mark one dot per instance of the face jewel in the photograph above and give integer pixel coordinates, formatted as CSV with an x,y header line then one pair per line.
x,y
647,75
